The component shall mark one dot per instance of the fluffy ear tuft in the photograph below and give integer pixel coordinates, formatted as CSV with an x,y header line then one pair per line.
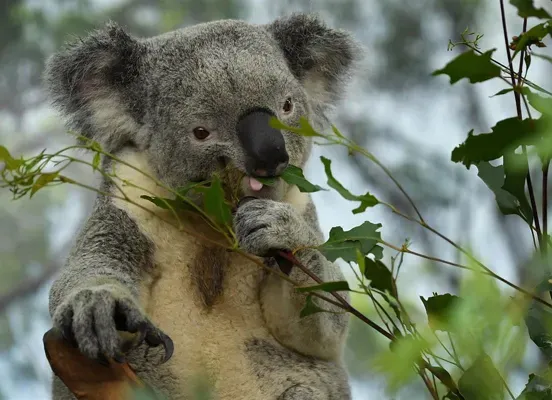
x,y
90,81
322,58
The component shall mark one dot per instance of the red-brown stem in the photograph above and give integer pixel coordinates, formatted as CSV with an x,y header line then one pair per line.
x,y
429,385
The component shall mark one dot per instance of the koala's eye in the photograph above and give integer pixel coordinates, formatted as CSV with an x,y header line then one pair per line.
x,y
201,133
288,106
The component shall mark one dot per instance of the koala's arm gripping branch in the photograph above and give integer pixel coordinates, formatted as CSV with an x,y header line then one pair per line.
x,y
109,251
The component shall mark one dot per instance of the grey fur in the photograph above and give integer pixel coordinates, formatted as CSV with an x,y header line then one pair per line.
x,y
147,95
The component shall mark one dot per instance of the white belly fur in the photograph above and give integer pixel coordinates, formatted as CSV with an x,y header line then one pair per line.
x,y
206,342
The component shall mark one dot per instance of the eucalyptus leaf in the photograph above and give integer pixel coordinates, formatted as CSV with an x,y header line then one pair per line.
x,y
470,65
506,135
481,381
440,310
294,176
380,276
344,244
310,308
42,181
366,200
526,9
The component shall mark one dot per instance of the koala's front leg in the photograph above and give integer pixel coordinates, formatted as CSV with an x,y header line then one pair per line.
x,y
265,225
96,294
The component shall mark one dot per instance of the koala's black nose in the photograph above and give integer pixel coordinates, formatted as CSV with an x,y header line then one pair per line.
x,y
264,146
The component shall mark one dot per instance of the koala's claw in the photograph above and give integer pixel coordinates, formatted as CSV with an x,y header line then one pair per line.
x,y
154,337
91,319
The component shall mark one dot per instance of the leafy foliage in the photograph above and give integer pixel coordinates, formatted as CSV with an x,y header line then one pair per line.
x,y
470,65
506,136
481,381
366,200
310,308
380,276
294,176
344,244
537,388
511,198
440,310
526,9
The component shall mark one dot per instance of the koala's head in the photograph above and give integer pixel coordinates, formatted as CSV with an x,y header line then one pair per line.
x,y
199,99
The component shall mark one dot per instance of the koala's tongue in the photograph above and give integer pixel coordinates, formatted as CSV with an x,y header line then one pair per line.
x,y
254,184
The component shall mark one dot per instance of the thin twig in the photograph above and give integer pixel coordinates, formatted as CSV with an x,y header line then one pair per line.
x,y
428,384
545,168
292,259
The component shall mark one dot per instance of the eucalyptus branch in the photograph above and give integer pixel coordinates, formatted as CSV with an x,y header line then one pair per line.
x,y
505,69
353,147
291,258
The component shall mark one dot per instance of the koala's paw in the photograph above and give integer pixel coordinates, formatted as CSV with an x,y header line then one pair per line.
x,y
91,317
264,225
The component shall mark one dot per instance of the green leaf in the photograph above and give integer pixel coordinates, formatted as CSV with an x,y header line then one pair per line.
x,y
540,103
304,129
440,311
539,323
526,9
344,244
366,200
310,308
532,36
10,162
470,65
168,204
214,203
360,259
266,181
42,181
481,381
502,92
516,169
506,135
337,286
294,176
398,364
445,378
96,161
380,276
537,388
509,197
192,186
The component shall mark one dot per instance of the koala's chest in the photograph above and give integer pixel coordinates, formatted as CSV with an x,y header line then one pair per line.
x,y
205,298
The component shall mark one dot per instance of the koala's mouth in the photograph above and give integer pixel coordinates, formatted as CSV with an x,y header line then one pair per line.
x,y
249,184
254,184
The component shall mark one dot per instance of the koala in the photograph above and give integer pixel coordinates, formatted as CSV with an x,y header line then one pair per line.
x,y
174,109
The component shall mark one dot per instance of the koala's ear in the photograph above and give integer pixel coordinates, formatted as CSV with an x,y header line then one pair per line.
x,y
92,82
320,57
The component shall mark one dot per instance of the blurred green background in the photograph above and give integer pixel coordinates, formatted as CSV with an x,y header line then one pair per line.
x,y
395,108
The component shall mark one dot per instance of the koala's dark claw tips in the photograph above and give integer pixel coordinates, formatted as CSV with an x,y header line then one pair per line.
x,y
120,358
169,348
101,359
244,200
67,334
160,338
